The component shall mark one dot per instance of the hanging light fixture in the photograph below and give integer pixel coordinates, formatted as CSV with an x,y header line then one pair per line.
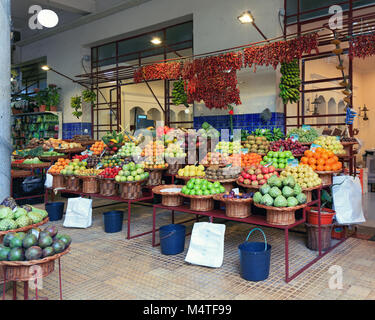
x,y
246,17
156,41
364,110
48,18
45,68
316,102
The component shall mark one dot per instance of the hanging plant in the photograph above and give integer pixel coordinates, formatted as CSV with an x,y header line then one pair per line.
x,y
89,96
76,104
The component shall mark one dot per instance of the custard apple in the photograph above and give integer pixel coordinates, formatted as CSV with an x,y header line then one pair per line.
x,y
4,224
4,211
23,221
35,217
12,225
20,212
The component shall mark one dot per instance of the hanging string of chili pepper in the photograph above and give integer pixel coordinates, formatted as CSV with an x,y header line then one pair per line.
x,y
362,46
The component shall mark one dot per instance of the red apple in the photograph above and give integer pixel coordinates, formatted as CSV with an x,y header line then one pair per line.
x,y
250,171
264,170
258,171
244,174
271,169
262,181
254,183
246,181
241,179
252,167
259,177
253,177
266,176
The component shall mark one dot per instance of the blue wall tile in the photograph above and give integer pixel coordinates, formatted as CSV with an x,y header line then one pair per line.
x,y
71,129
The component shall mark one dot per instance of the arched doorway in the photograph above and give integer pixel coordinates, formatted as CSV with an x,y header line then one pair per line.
x,y
322,110
154,114
341,109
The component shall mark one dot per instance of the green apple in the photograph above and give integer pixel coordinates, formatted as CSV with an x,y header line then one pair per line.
x,y
130,178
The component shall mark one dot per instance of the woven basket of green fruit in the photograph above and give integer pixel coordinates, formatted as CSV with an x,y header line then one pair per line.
x,y
236,206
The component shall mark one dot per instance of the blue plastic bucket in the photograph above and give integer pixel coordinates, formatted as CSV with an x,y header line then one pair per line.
x,y
172,239
55,210
113,221
255,259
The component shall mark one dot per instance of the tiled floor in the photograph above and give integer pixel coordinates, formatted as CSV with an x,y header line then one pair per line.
x,y
107,266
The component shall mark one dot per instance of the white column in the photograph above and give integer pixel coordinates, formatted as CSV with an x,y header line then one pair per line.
x,y
5,137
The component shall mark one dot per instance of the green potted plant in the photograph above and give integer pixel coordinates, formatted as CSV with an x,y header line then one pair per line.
x,y
53,97
76,104
41,99
89,96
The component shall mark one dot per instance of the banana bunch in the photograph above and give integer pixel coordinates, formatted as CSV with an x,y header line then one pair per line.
x,y
271,135
290,82
179,95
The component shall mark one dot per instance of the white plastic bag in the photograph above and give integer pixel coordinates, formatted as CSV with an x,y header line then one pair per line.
x,y
206,245
78,213
48,181
347,200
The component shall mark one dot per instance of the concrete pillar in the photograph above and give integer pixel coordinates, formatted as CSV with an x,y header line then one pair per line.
x,y
5,137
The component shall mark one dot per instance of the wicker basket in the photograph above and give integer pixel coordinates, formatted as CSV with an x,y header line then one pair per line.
x,y
89,184
53,158
308,192
200,203
155,177
236,208
30,166
72,183
107,187
169,199
313,236
21,270
131,190
347,147
326,176
281,216
249,187
173,168
72,150
58,181
23,229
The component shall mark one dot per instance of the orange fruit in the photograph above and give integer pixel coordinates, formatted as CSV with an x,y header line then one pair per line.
x,y
327,168
320,168
305,160
330,154
336,167
308,153
319,149
331,161
317,155
313,166
336,158
321,162
312,161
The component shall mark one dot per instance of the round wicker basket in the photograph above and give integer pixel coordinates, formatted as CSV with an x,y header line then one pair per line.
x,y
173,168
200,203
326,176
72,150
156,176
131,190
169,199
107,187
236,208
24,229
308,192
24,271
72,183
89,184
281,216
58,181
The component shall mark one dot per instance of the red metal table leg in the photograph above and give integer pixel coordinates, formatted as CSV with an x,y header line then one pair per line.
x,y
286,255
36,287
26,290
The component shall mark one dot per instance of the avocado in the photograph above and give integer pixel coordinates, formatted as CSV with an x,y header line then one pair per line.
x,y
45,241
9,236
21,235
29,241
15,243
4,251
33,253
52,230
49,251
35,232
16,254
58,246
43,234
66,239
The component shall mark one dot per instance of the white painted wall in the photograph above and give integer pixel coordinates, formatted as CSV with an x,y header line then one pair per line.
x,y
215,27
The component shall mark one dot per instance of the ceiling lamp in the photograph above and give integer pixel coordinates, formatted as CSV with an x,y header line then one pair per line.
x,y
156,41
48,18
45,68
246,17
